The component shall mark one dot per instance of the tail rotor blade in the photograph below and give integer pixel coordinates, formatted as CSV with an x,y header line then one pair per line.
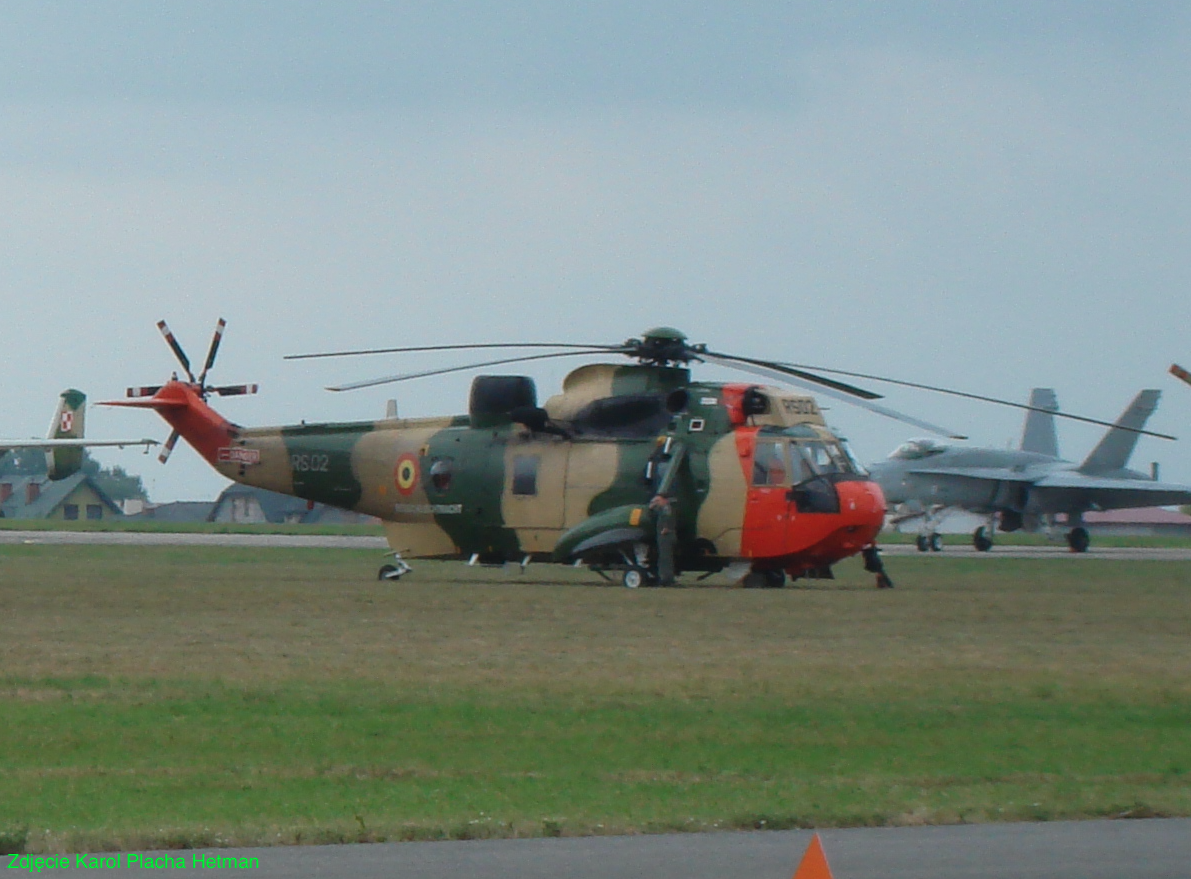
x,y
143,391
215,340
168,447
236,390
176,348
1178,372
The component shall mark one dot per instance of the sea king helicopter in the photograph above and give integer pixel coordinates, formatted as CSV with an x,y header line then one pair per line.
x,y
634,470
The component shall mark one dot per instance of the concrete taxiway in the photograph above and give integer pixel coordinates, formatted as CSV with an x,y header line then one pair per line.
x,y
960,549
1138,849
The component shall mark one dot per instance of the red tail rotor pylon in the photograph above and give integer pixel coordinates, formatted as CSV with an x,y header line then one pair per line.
x,y
183,403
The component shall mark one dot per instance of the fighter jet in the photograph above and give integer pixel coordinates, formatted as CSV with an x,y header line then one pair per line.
x,y
1025,488
64,444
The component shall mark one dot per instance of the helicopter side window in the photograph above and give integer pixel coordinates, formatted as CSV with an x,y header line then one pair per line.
x,y
769,463
525,474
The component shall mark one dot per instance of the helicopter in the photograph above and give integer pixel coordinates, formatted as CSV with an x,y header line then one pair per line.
x,y
633,470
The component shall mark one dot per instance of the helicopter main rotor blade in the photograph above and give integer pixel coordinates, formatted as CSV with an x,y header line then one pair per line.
x,y
369,383
801,373
982,399
176,348
215,340
789,377
467,347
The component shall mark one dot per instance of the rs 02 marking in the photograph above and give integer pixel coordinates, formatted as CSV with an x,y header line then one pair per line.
x,y
310,463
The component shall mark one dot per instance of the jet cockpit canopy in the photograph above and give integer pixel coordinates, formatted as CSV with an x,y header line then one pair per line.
x,y
919,448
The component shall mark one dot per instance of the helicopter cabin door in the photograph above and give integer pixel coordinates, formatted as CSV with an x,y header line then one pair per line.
x,y
769,508
534,491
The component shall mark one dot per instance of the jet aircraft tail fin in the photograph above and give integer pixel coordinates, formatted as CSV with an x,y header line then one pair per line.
x,y
1115,448
64,461
1038,435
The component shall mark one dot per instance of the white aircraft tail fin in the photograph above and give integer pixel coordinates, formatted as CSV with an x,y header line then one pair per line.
x,y
1038,435
1115,448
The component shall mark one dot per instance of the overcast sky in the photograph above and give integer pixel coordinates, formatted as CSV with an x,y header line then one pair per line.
x,y
990,196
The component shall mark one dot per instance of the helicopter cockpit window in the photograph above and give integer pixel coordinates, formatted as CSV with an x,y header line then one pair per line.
x,y
853,461
769,463
821,459
525,474
918,448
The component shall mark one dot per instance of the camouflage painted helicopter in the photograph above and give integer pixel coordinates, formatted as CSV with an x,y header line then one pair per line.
x,y
635,469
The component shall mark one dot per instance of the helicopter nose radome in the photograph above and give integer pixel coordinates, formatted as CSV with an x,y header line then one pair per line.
x,y
862,508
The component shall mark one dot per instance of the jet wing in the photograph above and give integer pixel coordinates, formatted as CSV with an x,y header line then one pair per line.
x,y
1069,489
7,445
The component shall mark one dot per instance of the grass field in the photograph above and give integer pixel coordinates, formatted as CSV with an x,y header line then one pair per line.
x,y
173,697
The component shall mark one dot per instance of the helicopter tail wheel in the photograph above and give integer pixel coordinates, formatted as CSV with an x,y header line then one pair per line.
x,y
394,571
1078,539
981,540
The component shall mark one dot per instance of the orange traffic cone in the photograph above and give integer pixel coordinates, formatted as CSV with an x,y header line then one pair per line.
x,y
814,862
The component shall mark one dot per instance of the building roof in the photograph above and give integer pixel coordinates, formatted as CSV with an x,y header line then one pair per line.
x,y
176,512
51,495
280,508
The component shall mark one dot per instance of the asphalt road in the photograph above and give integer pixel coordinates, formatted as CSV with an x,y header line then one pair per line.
x,y
1149,849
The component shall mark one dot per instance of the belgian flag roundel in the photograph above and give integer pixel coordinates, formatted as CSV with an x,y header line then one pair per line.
x,y
405,475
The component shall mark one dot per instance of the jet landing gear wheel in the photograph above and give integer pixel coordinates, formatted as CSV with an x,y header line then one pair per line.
x,y
1078,539
932,542
981,540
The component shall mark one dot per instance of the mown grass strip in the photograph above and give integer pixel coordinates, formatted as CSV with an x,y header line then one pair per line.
x,y
182,696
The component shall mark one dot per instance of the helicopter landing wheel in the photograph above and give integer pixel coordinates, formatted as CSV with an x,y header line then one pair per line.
x,y
634,578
